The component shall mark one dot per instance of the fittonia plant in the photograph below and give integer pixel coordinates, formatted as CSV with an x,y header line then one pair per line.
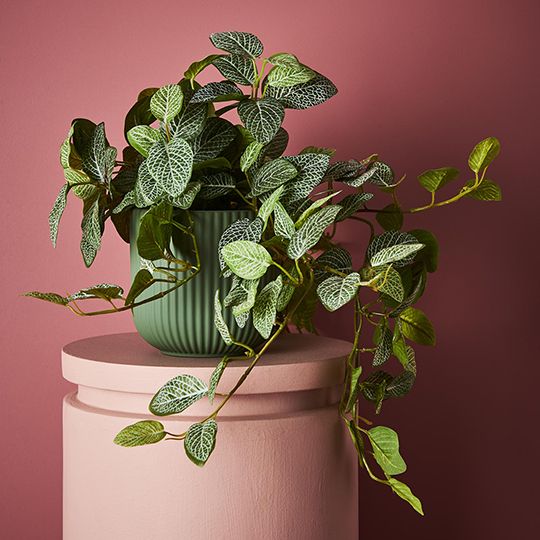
x,y
184,155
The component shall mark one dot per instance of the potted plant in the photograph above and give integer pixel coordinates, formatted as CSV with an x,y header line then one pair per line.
x,y
223,226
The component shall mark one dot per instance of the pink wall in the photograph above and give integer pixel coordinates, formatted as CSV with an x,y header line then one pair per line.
x,y
420,82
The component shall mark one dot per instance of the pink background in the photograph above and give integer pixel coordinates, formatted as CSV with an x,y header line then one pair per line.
x,y
420,82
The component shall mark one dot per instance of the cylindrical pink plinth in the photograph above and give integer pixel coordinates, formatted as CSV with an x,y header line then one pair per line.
x,y
283,467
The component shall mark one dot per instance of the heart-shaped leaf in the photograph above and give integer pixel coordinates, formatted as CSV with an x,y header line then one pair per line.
x,y
177,395
262,118
272,175
200,441
142,138
484,153
242,43
166,103
336,291
246,259
236,68
264,310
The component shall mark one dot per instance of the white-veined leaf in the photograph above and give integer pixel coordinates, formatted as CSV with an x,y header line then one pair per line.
x,y
215,137
313,207
351,204
283,223
388,281
166,103
219,321
277,145
264,310
384,346
81,184
216,185
380,249
200,441
336,291
246,259
242,43
56,213
336,258
177,395
262,118
94,160
301,96
190,122
216,377
269,204
236,68
250,155
289,75
311,231
217,91
142,138
272,175
283,59
147,191
186,198
141,433
170,165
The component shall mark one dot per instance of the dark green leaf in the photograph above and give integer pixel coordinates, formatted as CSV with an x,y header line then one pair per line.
x,y
416,326
390,218
142,280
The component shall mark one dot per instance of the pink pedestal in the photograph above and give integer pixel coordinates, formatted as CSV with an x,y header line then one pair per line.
x,y
283,467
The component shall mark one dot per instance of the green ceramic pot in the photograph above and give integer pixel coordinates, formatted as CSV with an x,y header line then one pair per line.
x,y
182,322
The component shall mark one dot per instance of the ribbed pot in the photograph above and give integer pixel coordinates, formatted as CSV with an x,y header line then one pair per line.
x,y
182,322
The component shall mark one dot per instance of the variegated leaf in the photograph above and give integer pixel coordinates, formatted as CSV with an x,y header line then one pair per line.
x,y
389,282
215,137
216,185
250,155
219,321
51,297
384,346
185,200
91,234
56,213
289,75
142,138
94,159
336,291
242,229
190,122
216,377
336,258
381,174
262,118
283,59
301,96
242,43
277,145
147,190
141,433
311,169
236,68
283,224
81,184
177,395
102,290
264,310
167,102
246,259
311,231
391,247
269,204
217,91
272,175
170,165
315,205
65,149
200,441
351,204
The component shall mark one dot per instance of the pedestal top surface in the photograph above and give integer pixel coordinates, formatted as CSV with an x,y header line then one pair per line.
x,y
124,362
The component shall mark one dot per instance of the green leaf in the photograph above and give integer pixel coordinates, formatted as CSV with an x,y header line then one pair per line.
x,y
390,218
380,174
272,175
217,91
166,103
283,224
393,247
351,204
216,135
389,283
285,76
262,118
250,155
236,68
311,231
154,233
170,165
219,321
311,169
190,122
264,310
430,252
81,184
283,59
301,96
242,229
216,377
353,388
142,280
185,200
196,67
385,444
140,113
141,433
416,326
336,258
384,346
486,191
147,191
200,441
315,205
65,150
337,291
56,213
435,179
177,395
484,153
142,138
246,259
95,158
216,185
401,385
91,233
105,291
318,150
404,354
242,43
48,297
401,489
269,204
277,145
